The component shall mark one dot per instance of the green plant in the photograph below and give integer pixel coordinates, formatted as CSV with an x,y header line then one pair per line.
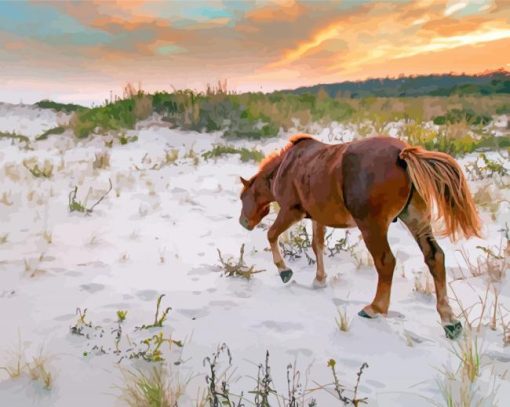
x,y
59,107
77,206
55,130
81,323
14,136
123,139
340,390
245,154
121,315
263,389
158,388
153,353
101,160
218,394
158,319
39,171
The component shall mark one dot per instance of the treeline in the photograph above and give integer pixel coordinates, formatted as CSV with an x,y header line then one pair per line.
x,y
496,82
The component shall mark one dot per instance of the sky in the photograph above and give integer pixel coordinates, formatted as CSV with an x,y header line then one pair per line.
x,y
81,51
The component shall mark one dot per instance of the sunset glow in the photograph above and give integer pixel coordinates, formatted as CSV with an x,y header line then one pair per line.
x,y
80,51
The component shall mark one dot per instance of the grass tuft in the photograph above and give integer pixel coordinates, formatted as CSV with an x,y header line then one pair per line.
x,y
232,268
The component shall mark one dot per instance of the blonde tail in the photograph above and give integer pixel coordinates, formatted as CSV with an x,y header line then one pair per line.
x,y
438,178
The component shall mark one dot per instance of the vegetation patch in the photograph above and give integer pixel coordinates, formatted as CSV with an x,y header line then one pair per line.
x,y
55,130
245,154
59,107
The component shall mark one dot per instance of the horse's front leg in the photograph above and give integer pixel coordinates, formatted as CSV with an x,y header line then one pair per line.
x,y
285,219
318,248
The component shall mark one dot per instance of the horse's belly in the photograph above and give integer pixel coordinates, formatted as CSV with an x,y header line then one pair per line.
x,y
334,216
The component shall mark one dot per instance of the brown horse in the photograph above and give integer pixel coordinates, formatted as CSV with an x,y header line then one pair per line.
x,y
366,184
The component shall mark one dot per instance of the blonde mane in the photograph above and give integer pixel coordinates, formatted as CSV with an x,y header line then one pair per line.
x,y
270,158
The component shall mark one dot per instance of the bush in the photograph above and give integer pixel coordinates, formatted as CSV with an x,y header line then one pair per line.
x,y
59,107
54,130
244,153
462,115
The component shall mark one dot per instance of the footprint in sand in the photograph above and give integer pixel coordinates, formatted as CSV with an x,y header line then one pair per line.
x,y
147,295
281,327
300,351
92,287
223,304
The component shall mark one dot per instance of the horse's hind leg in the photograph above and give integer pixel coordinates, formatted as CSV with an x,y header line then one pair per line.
x,y
417,220
285,219
318,248
375,237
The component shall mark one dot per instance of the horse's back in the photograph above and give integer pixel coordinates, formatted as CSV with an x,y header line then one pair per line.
x,y
375,182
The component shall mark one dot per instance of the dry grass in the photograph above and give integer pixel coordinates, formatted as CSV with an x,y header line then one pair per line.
x,y
232,268
342,321
423,284
36,367
12,171
157,388
491,264
6,199
101,160
459,388
488,198
48,236
3,238
44,170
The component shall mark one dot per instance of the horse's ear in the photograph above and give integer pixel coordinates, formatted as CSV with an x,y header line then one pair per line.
x,y
245,182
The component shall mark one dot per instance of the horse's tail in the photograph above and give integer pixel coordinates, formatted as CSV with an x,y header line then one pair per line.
x,y
438,179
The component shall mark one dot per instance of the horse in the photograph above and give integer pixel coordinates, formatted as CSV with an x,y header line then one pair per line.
x,y
367,183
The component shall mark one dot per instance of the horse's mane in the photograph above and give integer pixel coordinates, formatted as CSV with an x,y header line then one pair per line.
x,y
272,157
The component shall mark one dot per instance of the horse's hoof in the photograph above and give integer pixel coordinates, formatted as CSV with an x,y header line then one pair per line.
x,y
365,314
453,329
286,275
319,283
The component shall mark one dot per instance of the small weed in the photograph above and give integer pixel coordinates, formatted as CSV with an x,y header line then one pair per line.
x,y
5,199
36,368
158,319
232,268
159,388
123,139
101,160
44,170
340,390
423,287
492,263
342,321
245,154
121,315
55,130
81,323
48,236
3,238
77,206
218,388
264,389
171,156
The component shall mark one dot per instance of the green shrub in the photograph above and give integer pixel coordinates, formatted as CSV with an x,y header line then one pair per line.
x,y
244,153
462,115
59,107
54,130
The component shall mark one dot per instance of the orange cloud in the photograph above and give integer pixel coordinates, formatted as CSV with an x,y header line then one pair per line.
x,y
287,10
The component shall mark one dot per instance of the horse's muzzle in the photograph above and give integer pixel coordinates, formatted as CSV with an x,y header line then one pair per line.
x,y
245,223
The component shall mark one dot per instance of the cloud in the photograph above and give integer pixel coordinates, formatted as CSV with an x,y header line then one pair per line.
x,y
274,44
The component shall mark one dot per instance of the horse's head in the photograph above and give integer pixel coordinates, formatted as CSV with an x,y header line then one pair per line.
x,y
255,197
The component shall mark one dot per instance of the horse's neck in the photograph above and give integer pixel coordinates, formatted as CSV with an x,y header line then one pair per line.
x,y
271,169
